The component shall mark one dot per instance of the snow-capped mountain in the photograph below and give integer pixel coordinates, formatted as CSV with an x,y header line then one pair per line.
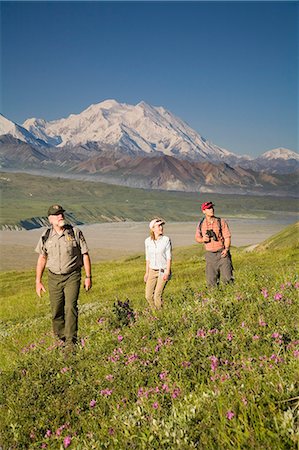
x,y
278,160
279,153
7,127
139,129
141,145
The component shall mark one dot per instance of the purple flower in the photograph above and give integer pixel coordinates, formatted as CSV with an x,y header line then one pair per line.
x,y
119,337
156,405
214,363
106,392
296,353
67,441
92,403
265,293
262,323
175,393
48,433
230,414
255,337
277,296
201,333
163,375
230,336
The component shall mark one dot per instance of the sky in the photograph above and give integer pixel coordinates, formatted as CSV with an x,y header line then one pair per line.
x,y
228,69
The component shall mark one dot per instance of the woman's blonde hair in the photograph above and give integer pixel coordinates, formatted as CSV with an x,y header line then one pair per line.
x,y
152,234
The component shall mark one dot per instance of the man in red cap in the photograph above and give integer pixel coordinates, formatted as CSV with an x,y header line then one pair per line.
x,y
214,233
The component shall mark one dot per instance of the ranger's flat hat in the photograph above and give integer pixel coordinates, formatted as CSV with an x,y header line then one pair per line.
x,y
54,210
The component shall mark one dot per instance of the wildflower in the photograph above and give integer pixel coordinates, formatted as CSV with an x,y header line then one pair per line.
x,y
276,335
119,338
163,375
296,285
262,323
106,392
176,392
201,333
214,363
255,337
32,435
165,387
100,320
111,431
243,324
277,296
265,293
48,433
82,342
186,363
44,445
109,377
296,353
65,369
92,403
156,405
230,336
213,331
230,414
67,441
244,400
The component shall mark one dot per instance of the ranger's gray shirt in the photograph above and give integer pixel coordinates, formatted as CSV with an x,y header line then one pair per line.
x,y
63,252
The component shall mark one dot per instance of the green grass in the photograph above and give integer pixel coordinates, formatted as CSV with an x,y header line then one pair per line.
x,y
23,197
216,369
289,237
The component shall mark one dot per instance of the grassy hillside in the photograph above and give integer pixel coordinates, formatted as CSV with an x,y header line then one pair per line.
x,y
289,237
215,369
25,196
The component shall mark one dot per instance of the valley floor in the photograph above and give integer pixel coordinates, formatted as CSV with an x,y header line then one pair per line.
x,y
108,241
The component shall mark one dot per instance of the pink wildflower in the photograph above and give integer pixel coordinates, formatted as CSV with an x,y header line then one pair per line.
x,y
244,400
255,337
214,363
265,293
201,333
48,433
175,393
119,338
230,414
277,296
109,377
262,323
100,320
67,441
186,363
92,403
163,375
82,342
106,392
156,405
296,353
230,336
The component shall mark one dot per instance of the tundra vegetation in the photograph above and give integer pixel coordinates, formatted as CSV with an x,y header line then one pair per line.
x,y
215,369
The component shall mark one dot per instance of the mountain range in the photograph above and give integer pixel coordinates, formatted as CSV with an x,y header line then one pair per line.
x,y
143,146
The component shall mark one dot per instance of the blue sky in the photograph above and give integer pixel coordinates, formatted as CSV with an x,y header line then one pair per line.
x,y
229,69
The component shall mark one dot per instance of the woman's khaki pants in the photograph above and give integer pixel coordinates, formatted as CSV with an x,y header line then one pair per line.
x,y
154,288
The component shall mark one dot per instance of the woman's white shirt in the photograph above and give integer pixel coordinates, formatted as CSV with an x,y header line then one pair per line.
x,y
158,252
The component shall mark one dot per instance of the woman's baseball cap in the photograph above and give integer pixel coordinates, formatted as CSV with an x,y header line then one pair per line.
x,y
54,210
156,222
207,205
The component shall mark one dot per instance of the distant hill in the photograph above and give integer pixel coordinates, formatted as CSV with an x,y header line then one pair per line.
x,y
287,238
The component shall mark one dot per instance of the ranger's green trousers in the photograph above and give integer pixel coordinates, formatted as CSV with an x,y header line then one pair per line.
x,y
64,293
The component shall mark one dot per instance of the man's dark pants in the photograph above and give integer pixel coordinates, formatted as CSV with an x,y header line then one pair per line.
x,y
64,292
217,266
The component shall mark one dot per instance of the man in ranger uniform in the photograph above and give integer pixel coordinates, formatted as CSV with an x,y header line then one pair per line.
x,y
214,233
63,250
